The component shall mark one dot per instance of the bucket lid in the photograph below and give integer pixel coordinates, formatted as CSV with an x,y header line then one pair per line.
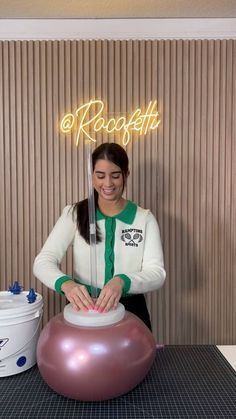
x,y
92,318
17,304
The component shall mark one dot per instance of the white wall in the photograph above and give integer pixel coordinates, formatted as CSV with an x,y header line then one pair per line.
x,y
13,29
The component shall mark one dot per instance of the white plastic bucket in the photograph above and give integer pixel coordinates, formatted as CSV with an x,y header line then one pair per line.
x,y
19,331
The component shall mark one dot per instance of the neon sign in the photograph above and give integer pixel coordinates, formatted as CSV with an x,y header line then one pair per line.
x,y
85,124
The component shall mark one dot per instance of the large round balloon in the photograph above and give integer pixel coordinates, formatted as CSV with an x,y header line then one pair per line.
x,y
95,363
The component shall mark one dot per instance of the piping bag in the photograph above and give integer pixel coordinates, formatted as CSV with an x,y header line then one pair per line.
x,y
92,223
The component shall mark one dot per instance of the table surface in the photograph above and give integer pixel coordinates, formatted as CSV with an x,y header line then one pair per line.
x,y
184,382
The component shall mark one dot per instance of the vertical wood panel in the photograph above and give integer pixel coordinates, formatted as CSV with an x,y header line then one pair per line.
x,y
3,267
190,280
185,172
7,157
233,190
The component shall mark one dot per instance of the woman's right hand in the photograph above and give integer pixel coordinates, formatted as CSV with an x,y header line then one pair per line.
x,y
78,296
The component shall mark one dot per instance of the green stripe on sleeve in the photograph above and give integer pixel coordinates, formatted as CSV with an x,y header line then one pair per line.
x,y
127,283
61,281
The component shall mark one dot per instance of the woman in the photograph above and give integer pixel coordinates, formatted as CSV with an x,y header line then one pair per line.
x,y
128,245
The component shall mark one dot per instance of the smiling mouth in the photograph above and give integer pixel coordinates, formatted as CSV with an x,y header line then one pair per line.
x,y
108,191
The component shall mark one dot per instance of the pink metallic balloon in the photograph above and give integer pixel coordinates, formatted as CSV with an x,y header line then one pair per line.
x,y
95,363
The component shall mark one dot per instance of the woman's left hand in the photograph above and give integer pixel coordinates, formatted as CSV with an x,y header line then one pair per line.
x,y
110,295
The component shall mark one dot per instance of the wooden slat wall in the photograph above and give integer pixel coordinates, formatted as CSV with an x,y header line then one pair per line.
x,y
185,172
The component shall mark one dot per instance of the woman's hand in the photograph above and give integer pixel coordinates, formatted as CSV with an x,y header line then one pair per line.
x,y
78,296
110,295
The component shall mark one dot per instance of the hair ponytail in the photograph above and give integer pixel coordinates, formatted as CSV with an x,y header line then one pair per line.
x,y
81,213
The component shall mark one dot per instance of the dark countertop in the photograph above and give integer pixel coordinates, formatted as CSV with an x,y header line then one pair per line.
x,y
184,382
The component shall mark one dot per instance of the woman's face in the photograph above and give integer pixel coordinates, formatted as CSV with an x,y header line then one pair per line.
x,y
108,180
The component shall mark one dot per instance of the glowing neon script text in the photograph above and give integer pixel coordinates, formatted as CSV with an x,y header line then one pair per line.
x,y
138,121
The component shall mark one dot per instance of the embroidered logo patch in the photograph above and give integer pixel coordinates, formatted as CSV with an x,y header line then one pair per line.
x,y
132,237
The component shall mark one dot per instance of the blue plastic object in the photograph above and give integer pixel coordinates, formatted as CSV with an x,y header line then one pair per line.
x,y
31,296
21,361
16,288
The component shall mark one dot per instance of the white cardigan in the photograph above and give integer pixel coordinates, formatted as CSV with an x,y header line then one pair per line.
x,y
130,248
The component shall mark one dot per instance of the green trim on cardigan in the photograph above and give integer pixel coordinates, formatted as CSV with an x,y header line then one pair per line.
x,y
127,215
110,228
61,281
127,283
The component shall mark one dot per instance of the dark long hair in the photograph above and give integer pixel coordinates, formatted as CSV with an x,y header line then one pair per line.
x,y
107,151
